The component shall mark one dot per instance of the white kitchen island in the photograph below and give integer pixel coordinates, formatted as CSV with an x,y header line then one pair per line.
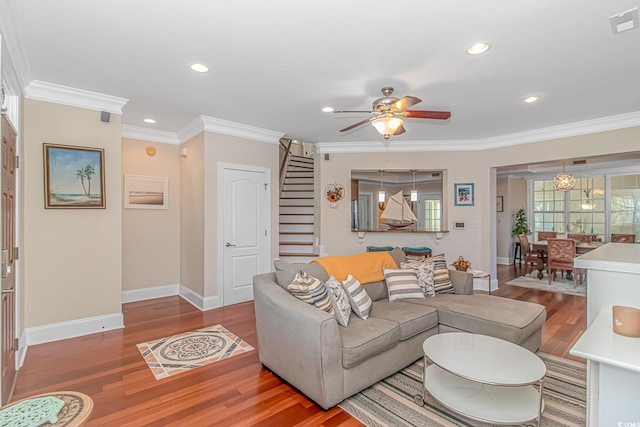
x,y
613,361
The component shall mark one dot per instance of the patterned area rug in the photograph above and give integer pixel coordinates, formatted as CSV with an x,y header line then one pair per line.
x,y
180,353
560,285
390,401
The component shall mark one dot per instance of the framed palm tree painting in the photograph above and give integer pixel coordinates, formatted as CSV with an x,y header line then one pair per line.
x,y
73,177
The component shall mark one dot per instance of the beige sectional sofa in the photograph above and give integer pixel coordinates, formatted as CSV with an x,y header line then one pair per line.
x,y
328,363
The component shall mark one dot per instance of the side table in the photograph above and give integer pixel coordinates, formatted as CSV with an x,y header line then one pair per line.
x,y
75,412
479,274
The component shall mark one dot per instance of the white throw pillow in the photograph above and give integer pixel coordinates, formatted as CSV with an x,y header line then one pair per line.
x,y
339,300
402,283
358,297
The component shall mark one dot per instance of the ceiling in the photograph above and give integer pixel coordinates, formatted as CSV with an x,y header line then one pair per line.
x,y
274,64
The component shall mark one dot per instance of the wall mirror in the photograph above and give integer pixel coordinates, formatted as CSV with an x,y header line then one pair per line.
x,y
396,200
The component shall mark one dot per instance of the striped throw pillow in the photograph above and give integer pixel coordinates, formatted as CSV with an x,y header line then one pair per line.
x,y
402,283
311,290
339,300
358,297
441,281
425,273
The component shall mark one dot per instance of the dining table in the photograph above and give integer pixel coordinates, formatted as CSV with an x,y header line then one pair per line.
x,y
581,248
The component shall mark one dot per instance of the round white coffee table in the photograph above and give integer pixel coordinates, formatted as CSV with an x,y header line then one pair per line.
x,y
483,378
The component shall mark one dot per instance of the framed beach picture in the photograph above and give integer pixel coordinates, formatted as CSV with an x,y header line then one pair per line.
x,y
499,204
73,177
146,192
463,194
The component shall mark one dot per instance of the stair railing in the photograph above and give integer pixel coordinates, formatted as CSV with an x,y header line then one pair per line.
x,y
285,158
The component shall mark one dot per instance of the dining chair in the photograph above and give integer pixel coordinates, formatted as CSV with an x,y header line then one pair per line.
x,y
580,238
531,258
623,238
560,255
544,235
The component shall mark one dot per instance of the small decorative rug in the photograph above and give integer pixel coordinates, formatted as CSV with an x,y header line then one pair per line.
x,y
560,285
180,353
390,401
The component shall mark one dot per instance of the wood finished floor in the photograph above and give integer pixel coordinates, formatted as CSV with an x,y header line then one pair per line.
x,y
237,391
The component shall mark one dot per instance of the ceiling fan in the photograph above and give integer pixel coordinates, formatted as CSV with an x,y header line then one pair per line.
x,y
389,111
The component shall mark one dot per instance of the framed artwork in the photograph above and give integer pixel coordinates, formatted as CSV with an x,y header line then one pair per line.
x,y
73,177
463,194
146,192
499,204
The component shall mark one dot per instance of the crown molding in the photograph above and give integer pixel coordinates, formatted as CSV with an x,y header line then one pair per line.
x,y
226,127
603,124
153,135
15,60
44,91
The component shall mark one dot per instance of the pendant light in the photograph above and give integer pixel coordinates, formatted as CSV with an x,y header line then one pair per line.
x,y
414,193
564,181
381,195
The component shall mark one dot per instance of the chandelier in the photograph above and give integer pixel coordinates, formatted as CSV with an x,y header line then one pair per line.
x,y
564,181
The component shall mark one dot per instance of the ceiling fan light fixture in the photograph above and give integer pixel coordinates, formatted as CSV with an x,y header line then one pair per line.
x,y
387,126
478,48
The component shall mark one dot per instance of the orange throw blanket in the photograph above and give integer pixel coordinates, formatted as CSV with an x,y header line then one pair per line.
x,y
366,267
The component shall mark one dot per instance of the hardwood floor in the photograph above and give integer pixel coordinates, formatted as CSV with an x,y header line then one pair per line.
x,y
237,391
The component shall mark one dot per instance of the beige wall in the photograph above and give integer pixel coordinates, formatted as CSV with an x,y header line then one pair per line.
x,y
72,258
474,243
230,149
151,237
192,215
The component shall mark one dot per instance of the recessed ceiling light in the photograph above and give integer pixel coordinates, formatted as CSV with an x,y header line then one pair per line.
x,y
478,48
199,68
327,109
531,99
149,121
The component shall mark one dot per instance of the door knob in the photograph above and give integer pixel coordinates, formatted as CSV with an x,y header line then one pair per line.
x,y
229,244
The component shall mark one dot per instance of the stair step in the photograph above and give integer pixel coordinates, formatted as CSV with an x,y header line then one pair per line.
x,y
305,210
296,243
297,232
284,254
297,167
296,238
296,202
301,159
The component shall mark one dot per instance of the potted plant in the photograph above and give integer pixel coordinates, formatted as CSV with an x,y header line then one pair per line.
x,y
521,226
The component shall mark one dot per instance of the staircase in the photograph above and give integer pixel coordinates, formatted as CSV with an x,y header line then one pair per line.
x,y
297,211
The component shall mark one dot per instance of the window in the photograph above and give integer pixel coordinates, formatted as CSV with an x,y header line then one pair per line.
x,y
548,208
625,205
585,206
432,214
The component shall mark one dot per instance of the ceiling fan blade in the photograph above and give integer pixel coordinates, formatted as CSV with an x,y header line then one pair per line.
x,y
360,123
405,102
420,114
399,131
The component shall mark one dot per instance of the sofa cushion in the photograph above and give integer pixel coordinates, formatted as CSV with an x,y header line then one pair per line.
x,y
286,271
358,297
312,291
402,283
366,338
412,318
442,282
511,320
426,275
339,301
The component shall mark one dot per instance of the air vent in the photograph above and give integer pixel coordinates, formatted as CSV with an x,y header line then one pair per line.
x,y
624,21
579,162
433,175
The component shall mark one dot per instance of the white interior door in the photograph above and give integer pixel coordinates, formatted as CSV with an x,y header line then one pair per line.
x,y
245,241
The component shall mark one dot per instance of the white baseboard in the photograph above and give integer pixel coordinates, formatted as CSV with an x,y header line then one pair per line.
x,y
504,261
73,328
150,293
22,349
198,300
